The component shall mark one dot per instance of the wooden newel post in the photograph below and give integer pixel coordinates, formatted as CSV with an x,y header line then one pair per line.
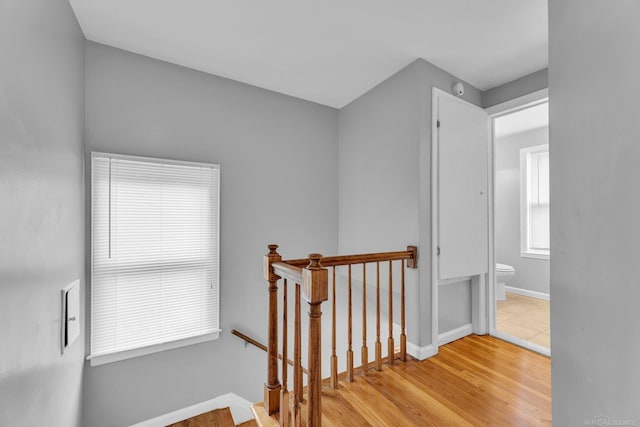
x,y
411,263
272,386
315,290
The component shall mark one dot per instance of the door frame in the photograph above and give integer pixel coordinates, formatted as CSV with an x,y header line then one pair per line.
x,y
513,105
479,290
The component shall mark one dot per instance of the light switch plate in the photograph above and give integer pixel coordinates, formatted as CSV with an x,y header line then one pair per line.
x,y
70,314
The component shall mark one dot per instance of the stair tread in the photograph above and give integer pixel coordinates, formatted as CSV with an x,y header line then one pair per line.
x,y
262,418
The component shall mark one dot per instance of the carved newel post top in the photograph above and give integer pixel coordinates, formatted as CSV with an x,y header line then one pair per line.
x,y
267,271
315,288
273,249
314,262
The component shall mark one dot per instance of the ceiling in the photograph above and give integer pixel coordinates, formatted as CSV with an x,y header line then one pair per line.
x,y
520,121
327,51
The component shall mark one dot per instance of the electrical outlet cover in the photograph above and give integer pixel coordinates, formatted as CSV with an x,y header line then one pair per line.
x,y
70,314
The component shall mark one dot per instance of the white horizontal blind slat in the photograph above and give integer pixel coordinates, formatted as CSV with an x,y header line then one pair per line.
x,y
154,252
539,200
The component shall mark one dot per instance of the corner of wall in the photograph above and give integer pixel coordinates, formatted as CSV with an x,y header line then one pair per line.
x,y
514,89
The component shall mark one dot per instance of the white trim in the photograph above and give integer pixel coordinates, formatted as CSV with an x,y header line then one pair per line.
x,y
455,334
536,255
240,410
421,353
128,354
498,110
154,160
479,304
528,293
522,342
525,101
490,302
435,136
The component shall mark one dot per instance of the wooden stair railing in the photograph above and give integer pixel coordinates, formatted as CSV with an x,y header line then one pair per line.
x,y
254,342
311,280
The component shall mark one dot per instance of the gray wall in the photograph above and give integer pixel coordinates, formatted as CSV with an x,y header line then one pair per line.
x,y
454,306
385,182
42,212
531,273
594,156
516,88
264,142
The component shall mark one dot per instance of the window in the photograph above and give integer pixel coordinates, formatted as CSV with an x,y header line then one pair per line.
x,y
534,194
154,257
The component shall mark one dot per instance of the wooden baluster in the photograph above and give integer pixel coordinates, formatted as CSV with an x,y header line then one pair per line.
x,y
391,349
365,349
349,335
378,343
272,386
284,393
403,336
297,348
297,361
334,357
315,289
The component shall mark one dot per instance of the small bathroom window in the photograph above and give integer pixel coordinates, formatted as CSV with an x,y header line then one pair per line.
x,y
534,197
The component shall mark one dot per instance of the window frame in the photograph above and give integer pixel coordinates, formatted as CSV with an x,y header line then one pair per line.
x,y
96,360
525,249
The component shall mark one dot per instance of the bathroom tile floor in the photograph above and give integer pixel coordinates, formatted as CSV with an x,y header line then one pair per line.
x,y
524,317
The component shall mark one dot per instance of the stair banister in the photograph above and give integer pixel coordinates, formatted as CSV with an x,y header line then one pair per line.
x,y
272,387
310,279
315,290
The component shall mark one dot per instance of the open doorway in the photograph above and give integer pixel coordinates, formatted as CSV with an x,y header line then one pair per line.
x,y
521,247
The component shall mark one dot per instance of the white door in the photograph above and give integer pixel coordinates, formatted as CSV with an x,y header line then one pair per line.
x,y
462,163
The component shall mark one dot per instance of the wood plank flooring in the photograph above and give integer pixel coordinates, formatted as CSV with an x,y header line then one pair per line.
x,y
475,381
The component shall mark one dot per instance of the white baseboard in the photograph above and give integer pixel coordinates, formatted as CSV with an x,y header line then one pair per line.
x,y
455,334
240,410
522,342
528,293
421,353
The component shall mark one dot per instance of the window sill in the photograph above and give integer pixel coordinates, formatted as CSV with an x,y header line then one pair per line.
x,y
156,348
536,255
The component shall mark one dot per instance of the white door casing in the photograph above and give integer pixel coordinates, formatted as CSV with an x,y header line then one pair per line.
x,y
508,107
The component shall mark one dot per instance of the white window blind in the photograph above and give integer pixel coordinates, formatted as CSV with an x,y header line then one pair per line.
x,y
154,272
539,200
536,236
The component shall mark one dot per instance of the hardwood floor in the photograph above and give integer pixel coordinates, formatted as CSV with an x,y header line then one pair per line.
x,y
475,381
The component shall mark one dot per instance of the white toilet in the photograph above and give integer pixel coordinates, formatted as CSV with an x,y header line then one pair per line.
x,y
504,273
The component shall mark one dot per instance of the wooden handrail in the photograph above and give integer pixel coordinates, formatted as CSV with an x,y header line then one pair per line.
x,y
248,339
288,271
261,346
330,261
